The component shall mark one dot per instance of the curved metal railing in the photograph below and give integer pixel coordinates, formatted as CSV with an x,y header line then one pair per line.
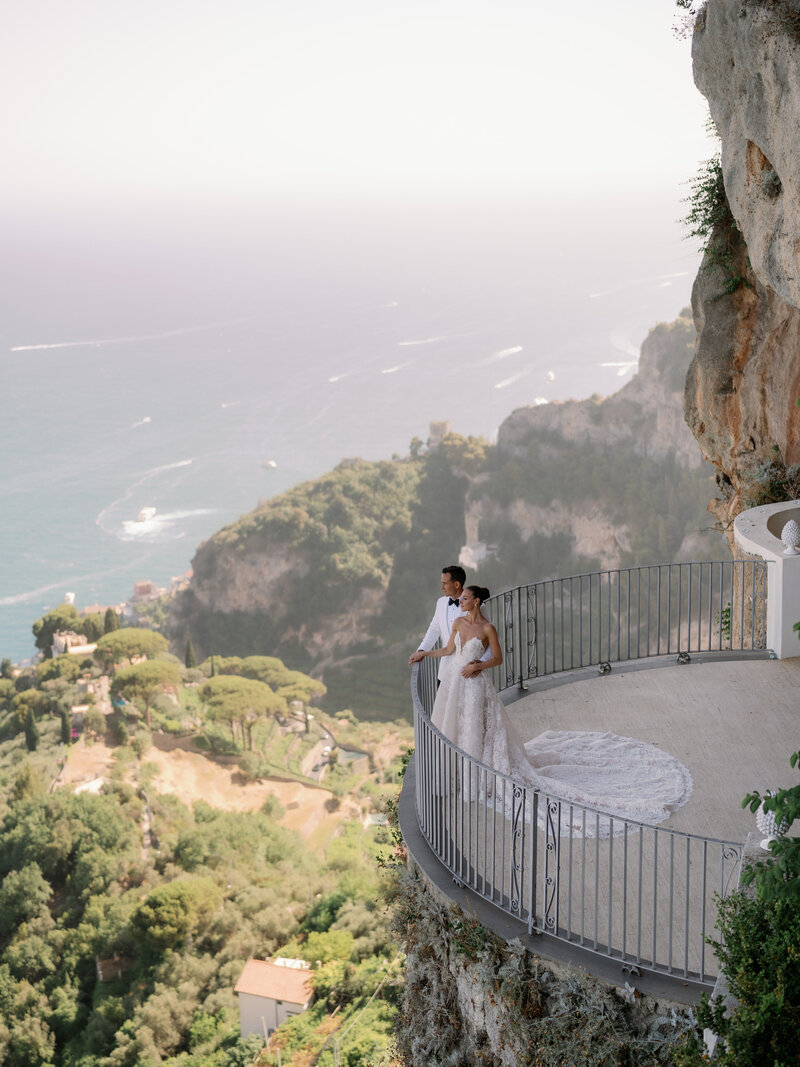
x,y
641,895
630,613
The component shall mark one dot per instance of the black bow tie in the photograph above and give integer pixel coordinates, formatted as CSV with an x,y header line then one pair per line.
x,y
451,601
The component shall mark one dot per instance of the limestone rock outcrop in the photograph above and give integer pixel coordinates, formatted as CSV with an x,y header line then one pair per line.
x,y
746,61
644,412
742,389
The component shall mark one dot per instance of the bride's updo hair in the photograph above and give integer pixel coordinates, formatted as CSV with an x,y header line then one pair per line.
x,y
480,592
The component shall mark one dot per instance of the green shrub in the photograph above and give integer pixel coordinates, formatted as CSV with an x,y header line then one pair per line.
x,y
759,951
771,482
711,221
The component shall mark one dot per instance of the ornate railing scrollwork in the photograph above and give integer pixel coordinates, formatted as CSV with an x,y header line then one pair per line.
x,y
517,846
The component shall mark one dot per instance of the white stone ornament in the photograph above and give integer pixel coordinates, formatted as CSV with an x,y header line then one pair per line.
x,y
790,535
767,824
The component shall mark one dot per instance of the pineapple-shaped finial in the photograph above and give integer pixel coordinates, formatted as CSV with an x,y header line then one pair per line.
x,y
790,535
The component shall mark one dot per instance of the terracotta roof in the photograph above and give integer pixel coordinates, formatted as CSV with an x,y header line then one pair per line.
x,y
262,979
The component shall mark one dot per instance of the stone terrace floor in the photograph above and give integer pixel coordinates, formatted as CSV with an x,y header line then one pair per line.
x,y
733,722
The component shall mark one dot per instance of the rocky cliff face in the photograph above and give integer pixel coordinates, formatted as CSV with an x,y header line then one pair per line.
x,y
645,413
742,388
599,472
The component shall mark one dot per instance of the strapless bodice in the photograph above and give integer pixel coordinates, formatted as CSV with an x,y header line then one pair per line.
x,y
473,649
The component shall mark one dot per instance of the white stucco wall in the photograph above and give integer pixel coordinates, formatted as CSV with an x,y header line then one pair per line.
x,y
758,531
261,1015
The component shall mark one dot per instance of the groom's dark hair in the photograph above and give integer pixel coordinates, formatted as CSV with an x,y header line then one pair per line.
x,y
457,574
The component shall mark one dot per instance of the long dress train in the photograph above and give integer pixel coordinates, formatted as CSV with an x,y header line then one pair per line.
x,y
626,778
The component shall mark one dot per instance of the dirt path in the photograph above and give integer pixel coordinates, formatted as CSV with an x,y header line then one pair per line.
x,y
192,776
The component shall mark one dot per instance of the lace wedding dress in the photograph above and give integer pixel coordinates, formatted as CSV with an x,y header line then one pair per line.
x,y
620,775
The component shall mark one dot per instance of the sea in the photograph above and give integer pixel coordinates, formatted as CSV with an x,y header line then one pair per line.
x,y
163,376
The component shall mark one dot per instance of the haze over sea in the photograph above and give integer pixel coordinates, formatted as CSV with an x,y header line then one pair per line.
x,y
150,365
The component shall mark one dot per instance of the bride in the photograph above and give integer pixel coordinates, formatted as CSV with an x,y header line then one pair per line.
x,y
626,778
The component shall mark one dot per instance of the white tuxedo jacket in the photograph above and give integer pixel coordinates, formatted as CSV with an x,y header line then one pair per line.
x,y
439,630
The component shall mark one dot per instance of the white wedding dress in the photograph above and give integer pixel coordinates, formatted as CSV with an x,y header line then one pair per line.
x,y
623,777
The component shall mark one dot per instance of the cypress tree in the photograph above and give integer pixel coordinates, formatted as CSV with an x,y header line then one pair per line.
x,y
190,659
66,726
31,732
111,621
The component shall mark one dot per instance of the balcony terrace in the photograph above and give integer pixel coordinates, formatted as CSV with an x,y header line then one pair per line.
x,y
675,655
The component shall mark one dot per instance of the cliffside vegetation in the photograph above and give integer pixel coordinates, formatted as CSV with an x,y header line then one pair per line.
x,y
710,221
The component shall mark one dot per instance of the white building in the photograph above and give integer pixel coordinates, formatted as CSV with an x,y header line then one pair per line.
x,y
270,992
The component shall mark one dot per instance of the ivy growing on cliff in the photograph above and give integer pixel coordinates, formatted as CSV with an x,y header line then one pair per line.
x,y
711,221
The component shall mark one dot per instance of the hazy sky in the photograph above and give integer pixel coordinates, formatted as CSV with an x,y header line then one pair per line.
x,y
116,103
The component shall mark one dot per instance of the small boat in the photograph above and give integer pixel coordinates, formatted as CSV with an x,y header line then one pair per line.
x,y
146,514
269,463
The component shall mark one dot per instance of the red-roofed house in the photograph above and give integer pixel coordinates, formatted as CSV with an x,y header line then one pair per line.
x,y
270,992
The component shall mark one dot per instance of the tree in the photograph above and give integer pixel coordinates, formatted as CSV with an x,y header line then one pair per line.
x,y
190,659
298,686
91,626
293,685
170,913
94,721
144,681
6,668
30,703
110,621
129,643
31,732
66,726
64,667
60,619
23,895
7,693
27,783
241,701
31,1043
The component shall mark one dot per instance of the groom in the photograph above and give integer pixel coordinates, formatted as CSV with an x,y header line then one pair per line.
x,y
447,611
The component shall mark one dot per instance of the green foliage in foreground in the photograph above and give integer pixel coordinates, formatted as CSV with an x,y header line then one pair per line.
x,y
759,950
759,953
779,877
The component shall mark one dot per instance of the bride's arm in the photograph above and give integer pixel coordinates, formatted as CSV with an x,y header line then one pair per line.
x,y
476,665
448,649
